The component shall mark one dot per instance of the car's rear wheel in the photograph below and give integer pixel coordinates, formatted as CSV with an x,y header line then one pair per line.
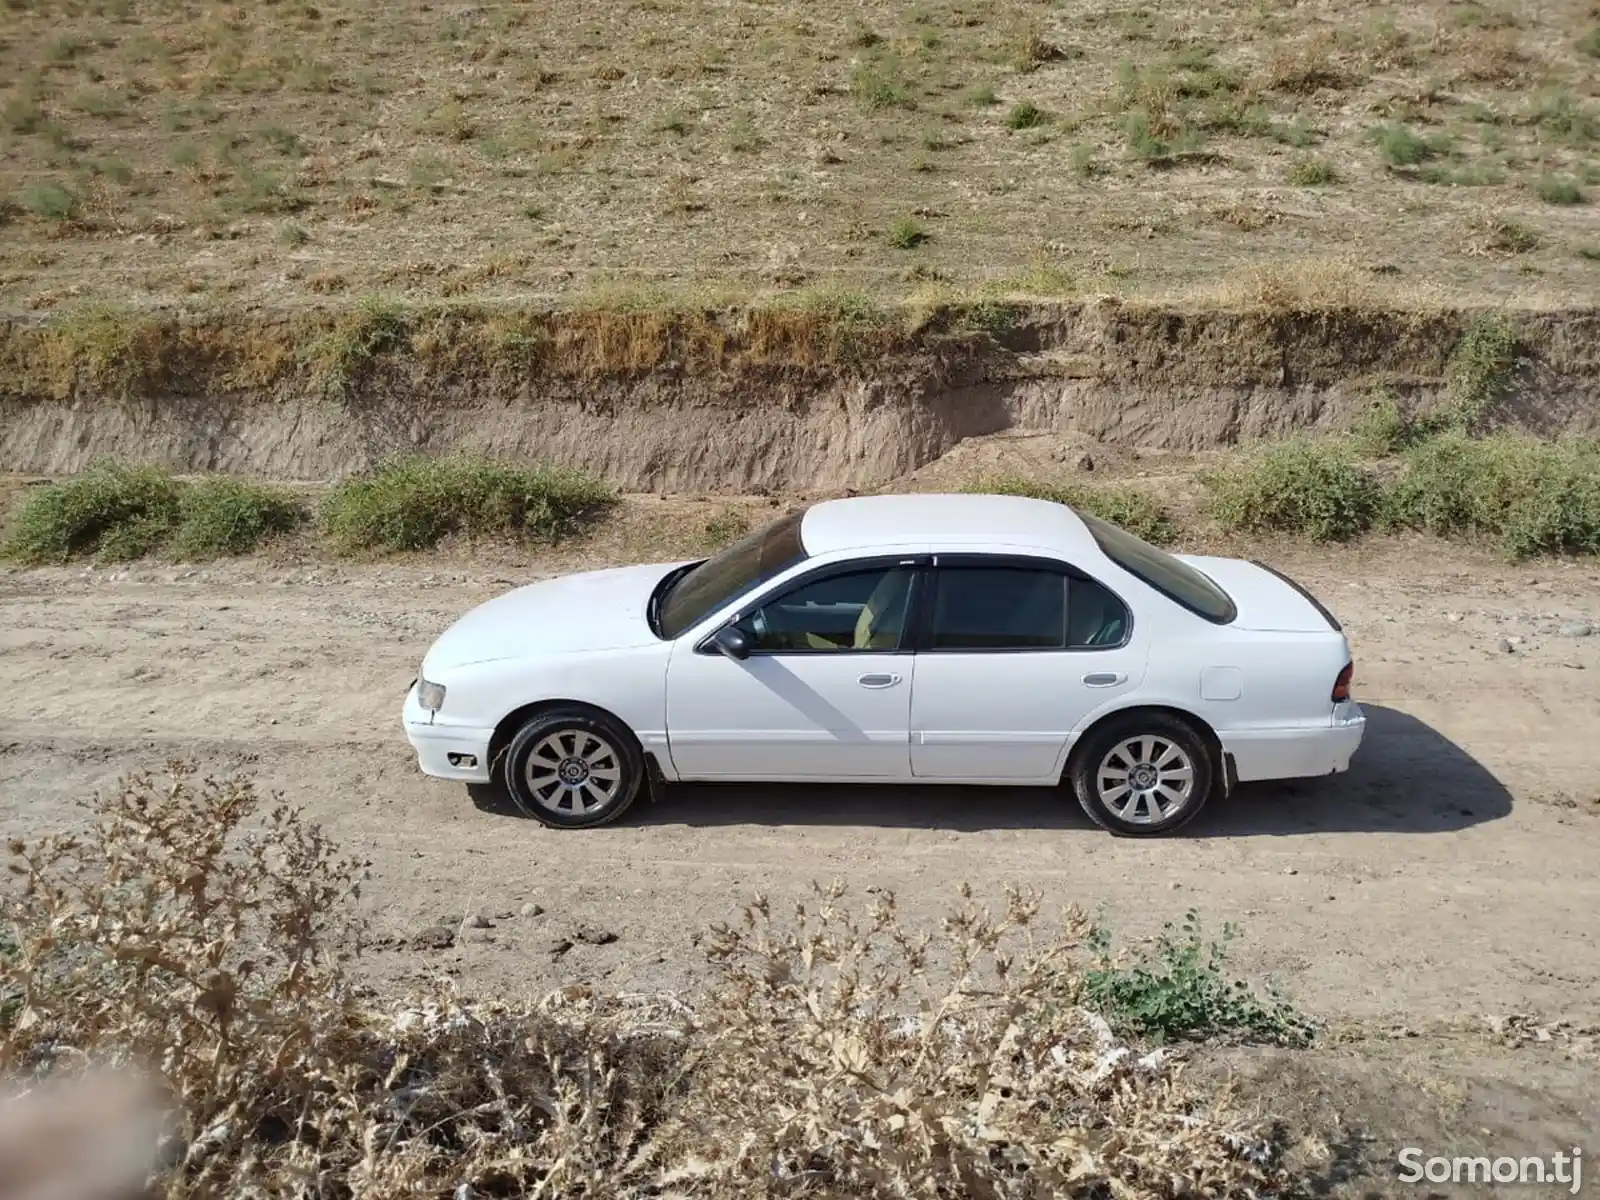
x,y
573,768
1143,775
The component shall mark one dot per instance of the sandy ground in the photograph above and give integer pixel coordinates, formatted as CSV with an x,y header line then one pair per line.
x,y
1450,873
1448,878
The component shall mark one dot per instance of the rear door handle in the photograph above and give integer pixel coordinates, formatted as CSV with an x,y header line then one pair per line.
x,y
878,681
1104,678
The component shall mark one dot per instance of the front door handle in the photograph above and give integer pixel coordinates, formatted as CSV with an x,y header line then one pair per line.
x,y
878,681
1104,678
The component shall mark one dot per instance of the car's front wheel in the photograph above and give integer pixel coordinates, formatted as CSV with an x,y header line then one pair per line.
x,y
1142,775
572,768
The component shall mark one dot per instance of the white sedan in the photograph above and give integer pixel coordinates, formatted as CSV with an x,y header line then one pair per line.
x,y
897,639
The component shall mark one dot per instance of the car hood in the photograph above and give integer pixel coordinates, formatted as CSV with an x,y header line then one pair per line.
x,y
592,610
1266,601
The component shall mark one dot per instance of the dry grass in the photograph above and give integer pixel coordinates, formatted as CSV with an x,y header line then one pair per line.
x,y
159,152
342,354
196,929
1317,284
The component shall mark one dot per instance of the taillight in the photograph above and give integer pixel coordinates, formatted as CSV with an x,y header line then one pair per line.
x,y
1341,685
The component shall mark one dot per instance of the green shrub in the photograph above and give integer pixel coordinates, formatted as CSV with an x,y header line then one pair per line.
x,y
112,512
414,502
1532,496
341,358
1482,370
1312,172
1180,992
906,234
1024,114
1553,189
50,201
879,84
1121,504
221,516
1315,489
1402,148
1383,427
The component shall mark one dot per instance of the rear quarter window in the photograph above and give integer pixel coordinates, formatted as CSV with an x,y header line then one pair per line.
x,y
1176,580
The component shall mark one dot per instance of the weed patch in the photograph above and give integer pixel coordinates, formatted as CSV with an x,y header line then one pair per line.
x,y
1314,489
1563,118
220,516
1501,237
1121,504
1529,495
50,202
1312,172
1181,992
1482,370
415,502
109,512
906,234
117,513
1024,114
1554,189
879,84
1400,147
341,358
112,349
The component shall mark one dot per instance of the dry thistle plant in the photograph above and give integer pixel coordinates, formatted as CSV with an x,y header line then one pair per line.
x,y
193,932
834,1061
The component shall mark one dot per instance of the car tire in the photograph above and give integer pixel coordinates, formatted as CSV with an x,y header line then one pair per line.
x,y
1130,774
573,768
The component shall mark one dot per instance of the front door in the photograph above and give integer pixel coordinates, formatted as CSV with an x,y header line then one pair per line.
x,y
1013,658
825,692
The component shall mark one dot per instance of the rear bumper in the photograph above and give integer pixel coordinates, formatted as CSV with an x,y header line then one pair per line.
x,y
1299,753
446,751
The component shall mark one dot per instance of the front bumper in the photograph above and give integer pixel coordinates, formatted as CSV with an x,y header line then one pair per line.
x,y
445,750
1300,753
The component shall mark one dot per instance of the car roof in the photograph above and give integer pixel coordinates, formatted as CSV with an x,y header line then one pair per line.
x,y
940,519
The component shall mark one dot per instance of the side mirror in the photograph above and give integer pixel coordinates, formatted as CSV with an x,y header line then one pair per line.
x,y
732,642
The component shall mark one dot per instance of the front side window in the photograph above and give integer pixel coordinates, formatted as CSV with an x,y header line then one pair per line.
x,y
856,611
999,608
1171,577
730,573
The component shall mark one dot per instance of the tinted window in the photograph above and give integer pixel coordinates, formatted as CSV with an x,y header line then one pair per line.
x,y
999,608
1162,571
1096,619
862,610
730,573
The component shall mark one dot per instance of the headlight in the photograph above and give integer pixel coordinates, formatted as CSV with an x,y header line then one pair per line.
x,y
430,695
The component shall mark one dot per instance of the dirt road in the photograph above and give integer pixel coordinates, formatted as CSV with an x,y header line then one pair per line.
x,y
1450,875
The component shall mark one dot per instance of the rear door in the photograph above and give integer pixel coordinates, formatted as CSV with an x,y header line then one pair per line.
x,y
1012,653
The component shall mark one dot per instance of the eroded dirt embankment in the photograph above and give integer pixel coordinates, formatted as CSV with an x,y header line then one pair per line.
x,y
701,400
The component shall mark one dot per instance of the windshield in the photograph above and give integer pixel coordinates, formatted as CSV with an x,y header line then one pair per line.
x,y
1174,579
730,573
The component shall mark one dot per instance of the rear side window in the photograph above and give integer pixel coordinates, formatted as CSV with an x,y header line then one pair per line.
x,y
1174,579
999,608
1096,619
